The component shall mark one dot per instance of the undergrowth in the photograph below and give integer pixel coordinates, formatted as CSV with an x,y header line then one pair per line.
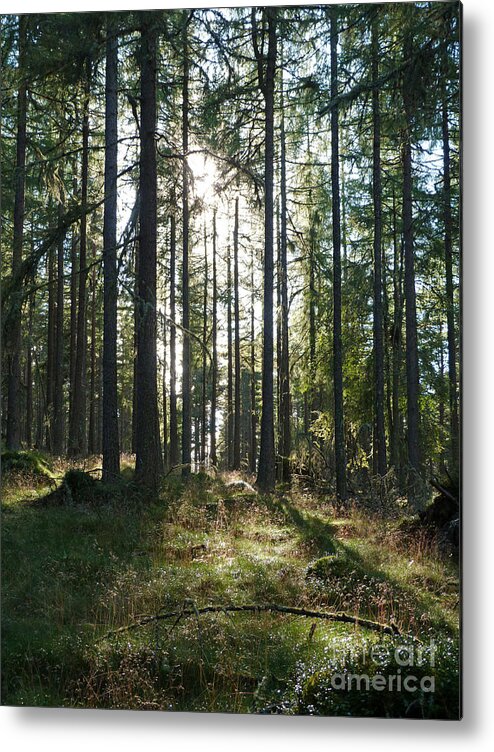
x,y
75,571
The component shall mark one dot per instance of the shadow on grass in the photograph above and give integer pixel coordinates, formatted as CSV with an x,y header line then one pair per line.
x,y
316,534
319,537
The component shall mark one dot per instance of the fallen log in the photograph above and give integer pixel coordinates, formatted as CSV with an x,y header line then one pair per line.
x,y
340,616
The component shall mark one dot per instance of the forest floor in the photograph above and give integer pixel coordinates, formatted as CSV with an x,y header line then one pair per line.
x,y
73,572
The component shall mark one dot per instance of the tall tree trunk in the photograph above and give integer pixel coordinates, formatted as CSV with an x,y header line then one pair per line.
x,y
396,338
340,453
310,406
13,361
166,446
110,435
29,374
380,430
73,318
174,454
50,350
149,461
214,345
412,364
204,354
92,438
236,316
253,413
285,435
229,357
77,429
186,354
450,303
58,402
267,469
134,362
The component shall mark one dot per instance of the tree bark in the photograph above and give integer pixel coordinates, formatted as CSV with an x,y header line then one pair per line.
x,y
149,461
174,455
92,437
77,429
110,435
448,259
236,317
340,453
396,343
214,345
253,413
13,436
50,350
73,319
166,446
412,365
204,384
229,357
267,468
58,401
186,381
378,334
284,386
29,374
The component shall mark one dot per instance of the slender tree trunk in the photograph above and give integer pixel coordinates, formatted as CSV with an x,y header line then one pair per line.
x,y
312,398
236,316
110,435
412,365
253,413
380,430
92,438
134,362
278,457
77,430
340,453
267,469
285,435
149,460
174,455
166,446
58,401
73,319
186,354
50,351
204,354
13,437
214,345
450,303
229,386
396,343
29,374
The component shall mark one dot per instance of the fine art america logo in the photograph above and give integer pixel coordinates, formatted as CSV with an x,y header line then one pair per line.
x,y
406,657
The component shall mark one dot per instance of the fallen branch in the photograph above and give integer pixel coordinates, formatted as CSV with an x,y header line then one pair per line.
x,y
391,629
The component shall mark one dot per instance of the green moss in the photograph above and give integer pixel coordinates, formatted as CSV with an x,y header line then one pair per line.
x,y
30,465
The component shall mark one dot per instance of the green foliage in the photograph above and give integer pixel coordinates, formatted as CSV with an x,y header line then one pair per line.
x,y
331,567
340,686
73,572
29,466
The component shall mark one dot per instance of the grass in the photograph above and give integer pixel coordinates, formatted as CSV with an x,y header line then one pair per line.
x,y
73,572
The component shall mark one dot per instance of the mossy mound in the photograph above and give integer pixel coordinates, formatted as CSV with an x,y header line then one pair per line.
x,y
26,465
79,488
332,567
